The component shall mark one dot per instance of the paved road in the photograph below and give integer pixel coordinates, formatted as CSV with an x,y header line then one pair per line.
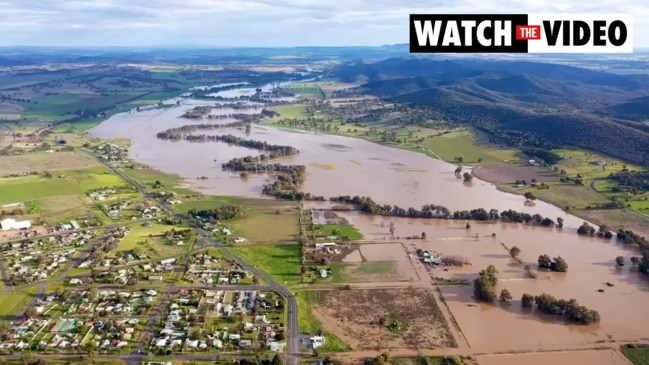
x,y
293,355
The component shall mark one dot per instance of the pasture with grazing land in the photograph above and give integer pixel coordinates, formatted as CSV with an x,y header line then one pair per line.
x,y
282,262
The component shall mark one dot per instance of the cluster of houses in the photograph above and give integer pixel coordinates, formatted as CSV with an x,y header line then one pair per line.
x,y
34,260
218,229
110,152
73,319
106,243
152,272
37,266
238,325
207,270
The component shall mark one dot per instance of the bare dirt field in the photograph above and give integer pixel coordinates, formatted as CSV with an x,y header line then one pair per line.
x,y
14,234
508,173
590,357
354,315
40,161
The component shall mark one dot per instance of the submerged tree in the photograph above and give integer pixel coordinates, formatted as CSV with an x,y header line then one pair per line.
x,y
505,296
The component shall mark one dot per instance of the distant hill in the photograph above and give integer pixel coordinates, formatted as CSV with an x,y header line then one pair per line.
x,y
520,102
635,109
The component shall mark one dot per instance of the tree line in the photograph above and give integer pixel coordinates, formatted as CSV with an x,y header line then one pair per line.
x,y
569,309
547,156
635,182
224,212
179,132
368,205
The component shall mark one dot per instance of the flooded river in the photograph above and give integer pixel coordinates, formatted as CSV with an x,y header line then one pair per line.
x,y
336,165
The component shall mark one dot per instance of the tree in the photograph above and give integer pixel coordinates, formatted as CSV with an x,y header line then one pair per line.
x,y
527,300
559,264
468,225
635,261
619,261
505,296
467,177
514,251
484,286
31,312
423,235
529,196
560,222
545,262
278,360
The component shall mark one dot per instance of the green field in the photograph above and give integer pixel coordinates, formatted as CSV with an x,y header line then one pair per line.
x,y
637,355
12,303
464,144
290,111
338,230
567,194
307,90
264,221
148,177
282,262
75,182
150,241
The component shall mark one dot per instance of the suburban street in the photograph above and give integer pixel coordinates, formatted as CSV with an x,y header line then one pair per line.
x,y
293,338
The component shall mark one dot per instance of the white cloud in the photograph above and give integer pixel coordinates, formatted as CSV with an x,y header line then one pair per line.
x,y
257,22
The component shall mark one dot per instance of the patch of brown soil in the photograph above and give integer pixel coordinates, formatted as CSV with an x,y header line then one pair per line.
x,y
499,173
354,315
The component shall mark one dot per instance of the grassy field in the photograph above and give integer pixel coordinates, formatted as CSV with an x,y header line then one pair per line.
x,y
637,355
565,195
290,111
465,144
12,303
310,324
150,241
147,177
264,220
72,182
307,90
338,230
282,262
42,161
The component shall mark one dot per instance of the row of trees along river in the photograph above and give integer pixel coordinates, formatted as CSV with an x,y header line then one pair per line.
x,y
185,131
368,205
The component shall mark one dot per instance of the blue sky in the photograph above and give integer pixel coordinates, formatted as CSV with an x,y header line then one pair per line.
x,y
257,22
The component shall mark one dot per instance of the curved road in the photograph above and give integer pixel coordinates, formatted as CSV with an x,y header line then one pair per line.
x,y
293,354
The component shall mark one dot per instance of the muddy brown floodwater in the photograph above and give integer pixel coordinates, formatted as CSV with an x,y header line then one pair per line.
x,y
336,165
623,309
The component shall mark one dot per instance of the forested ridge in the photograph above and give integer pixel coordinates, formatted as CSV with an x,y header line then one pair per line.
x,y
520,103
